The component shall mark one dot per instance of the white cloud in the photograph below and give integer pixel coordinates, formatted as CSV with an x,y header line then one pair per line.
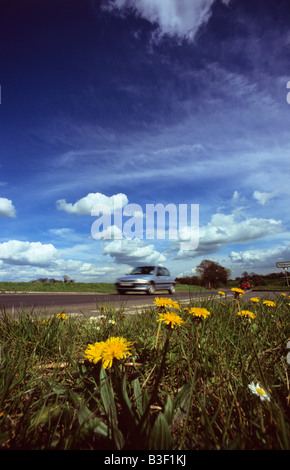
x,y
24,261
225,229
79,270
262,197
110,233
174,17
133,252
6,208
27,253
261,258
61,232
86,204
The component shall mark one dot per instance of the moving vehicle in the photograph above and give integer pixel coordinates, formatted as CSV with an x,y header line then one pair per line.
x,y
245,284
146,279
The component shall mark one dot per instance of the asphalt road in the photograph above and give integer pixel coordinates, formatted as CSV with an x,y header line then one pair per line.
x,y
80,302
88,304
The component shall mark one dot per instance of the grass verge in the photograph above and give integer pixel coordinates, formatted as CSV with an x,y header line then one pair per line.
x,y
94,287
185,384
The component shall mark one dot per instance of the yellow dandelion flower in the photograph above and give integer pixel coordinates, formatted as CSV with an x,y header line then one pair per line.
x,y
237,290
269,303
220,292
63,316
115,348
246,313
171,319
94,352
199,312
107,351
255,299
174,304
162,301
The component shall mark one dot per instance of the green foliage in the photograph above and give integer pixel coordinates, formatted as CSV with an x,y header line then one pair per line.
x,y
183,388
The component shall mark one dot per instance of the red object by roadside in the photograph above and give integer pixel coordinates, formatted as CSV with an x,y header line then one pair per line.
x,y
245,285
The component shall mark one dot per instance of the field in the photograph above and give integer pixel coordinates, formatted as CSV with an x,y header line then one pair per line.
x,y
95,287
213,375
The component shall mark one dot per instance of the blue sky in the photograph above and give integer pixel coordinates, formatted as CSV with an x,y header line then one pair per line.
x,y
161,101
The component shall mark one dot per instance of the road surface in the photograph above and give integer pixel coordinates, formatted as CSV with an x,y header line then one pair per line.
x,y
85,303
89,303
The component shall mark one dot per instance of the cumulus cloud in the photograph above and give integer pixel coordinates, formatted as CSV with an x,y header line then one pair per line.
x,y
87,203
133,252
27,253
180,18
226,229
6,208
24,261
261,258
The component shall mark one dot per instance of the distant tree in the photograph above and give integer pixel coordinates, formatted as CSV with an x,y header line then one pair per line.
x,y
212,274
188,280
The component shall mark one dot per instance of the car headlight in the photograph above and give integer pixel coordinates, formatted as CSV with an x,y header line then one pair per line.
x,y
141,281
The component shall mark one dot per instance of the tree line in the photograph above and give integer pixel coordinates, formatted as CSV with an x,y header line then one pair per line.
x,y
213,275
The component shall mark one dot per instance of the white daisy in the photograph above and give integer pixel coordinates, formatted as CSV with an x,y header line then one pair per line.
x,y
258,390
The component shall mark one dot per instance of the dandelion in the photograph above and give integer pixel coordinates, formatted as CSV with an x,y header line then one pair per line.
x,y
107,351
199,312
171,319
174,305
255,299
258,390
115,348
162,302
246,313
237,290
63,316
221,293
94,352
283,294
269,303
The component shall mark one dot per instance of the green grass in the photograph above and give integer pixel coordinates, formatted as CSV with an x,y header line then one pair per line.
x,y
183,388
189,288
102,287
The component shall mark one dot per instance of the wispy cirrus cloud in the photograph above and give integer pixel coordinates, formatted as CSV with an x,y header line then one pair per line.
x,y
181,18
